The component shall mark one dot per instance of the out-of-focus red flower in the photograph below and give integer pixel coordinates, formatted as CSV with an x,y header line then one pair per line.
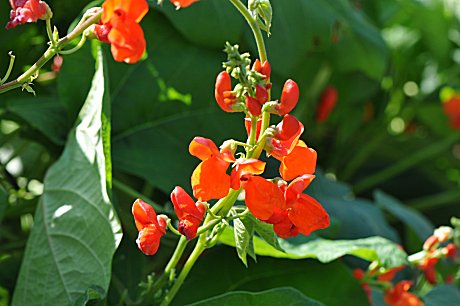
x,y
289,98
245,167
287,208
301,160
450,251
399,295
427,265
223,93
326,104
119,26
452,110
190,214
182,3
359,275
210,179
150,226
390,274
264,68
57,63
25,11
288,132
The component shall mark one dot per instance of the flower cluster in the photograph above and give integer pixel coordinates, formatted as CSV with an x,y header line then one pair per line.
x,y
279,201
451,108
26,11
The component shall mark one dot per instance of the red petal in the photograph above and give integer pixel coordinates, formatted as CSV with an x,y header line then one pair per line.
x,y
308,215
210,180
144,214
262,197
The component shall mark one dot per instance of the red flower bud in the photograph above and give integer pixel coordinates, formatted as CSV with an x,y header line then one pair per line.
x,y
261,94
430,243
399,295
450,251
223,92
326,104
289,98
264,68
190,214
253,106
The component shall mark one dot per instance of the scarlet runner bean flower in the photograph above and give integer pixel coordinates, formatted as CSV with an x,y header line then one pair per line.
x,y
399,295
209,179
451,108
223,93
120,27
190,214
264,68
326,104
287,133
25,11
289,98
150,226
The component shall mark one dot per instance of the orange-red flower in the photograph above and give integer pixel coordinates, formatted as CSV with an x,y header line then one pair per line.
x,y
452,110
24,11
288,132
210,179
190,214
245,167
150,226
428,267
120,27
287,208
450,251
326,104
399,295
264,68
359,275
301,160
223,93
289,98
182,3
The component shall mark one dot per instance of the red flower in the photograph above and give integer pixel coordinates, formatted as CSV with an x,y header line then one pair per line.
x,y
359,275
287,208
190,214
431,243
210,179
253,105
247,125
326,104
289,98
390,274
223,93
120,27
245,167
399,295
182,3
150,226
24,11
428,267
450,251
301,160
287,134
452,110
264,68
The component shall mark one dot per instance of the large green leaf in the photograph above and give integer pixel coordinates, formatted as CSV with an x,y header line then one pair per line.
x,y
378,249
220,271
274,297
442,295
69,252
415,220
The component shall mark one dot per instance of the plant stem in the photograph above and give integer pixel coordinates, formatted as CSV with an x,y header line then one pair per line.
x,y
10,67
406,163
27,76
199,248
176,255
254,27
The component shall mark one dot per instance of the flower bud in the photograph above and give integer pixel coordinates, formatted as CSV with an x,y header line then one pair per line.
x,y
223,92
261,94
289,98
264,68
253,106
326,104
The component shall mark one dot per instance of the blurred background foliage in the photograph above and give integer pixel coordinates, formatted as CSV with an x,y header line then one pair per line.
x,y
389,159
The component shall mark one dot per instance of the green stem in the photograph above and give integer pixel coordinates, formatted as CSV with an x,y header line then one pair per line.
x,y
10,68
254,27
253,133
49,31
49,53
180,248
172,229
406,163
76,48
199,248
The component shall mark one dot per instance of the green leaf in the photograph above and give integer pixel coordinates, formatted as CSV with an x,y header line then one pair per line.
x,y
243,231
45,114
331,284
415,220
378,249
274,297
442,295
266,233
75,230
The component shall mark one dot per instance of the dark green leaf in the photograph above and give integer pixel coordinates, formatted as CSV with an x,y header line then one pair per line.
x,y
443,295
243,231
75,230
266,232
274,297
415,220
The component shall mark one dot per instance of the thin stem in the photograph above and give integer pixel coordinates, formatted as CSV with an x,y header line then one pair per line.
x,y
253,133
406,163
180,248
10,67
254,27
49,31
172,229
49,53
76,48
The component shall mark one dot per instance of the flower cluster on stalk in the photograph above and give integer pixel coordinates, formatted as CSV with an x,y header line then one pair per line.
x,y
279,201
